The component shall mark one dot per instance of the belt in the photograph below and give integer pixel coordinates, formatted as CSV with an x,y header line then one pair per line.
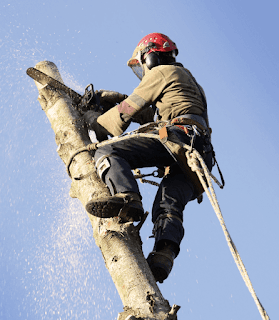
x,y
191,119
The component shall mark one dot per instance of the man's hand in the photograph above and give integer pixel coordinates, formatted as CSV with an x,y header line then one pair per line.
x,y
100,131
108,99
90,118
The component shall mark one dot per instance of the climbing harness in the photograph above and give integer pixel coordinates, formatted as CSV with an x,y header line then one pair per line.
x,y
158,130
198,166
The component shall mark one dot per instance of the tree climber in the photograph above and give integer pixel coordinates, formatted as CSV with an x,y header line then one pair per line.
x,y
170,90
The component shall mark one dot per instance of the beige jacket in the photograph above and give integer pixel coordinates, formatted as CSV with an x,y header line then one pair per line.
x,y
171,88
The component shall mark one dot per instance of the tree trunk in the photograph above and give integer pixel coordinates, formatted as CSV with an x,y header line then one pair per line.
x,y
120,243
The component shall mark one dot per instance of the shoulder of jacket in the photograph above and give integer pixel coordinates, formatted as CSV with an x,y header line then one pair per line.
x,y
157,72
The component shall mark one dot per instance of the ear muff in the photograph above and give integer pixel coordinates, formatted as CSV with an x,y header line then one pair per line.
x,y
152,60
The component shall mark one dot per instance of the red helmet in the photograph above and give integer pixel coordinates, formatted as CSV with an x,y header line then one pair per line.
x,y
153,42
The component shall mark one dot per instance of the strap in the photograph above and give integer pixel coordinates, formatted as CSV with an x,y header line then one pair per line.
x,y
167,215
169,257
83,176
163,133
219,170
191,119
158,223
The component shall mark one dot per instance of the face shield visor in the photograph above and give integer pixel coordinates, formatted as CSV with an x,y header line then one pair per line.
x,y
136,65
138,70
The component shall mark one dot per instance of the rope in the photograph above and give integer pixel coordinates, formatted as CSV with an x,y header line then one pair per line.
x,y
89,147
197,164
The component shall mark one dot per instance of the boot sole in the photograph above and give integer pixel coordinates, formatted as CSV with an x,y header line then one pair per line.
x,y
114,208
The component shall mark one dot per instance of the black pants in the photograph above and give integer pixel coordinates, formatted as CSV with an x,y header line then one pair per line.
x,y
175,190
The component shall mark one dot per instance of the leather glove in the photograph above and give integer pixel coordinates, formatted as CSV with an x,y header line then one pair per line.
x,y
90,118
108,99
100,131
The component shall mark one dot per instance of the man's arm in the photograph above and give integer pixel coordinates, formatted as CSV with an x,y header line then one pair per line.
x,y
144,116
117,119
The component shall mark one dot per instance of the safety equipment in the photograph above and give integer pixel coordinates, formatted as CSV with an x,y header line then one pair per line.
x,y
151,45
100,131
89,118
152,60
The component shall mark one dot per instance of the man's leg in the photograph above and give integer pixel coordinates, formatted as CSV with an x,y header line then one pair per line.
x,y
174,193
114,163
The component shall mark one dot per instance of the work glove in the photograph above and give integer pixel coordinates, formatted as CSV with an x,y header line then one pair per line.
x,y
100,131
108,99
90,118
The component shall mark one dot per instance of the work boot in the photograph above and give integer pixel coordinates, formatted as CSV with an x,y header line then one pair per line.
x,y
126,205
161,261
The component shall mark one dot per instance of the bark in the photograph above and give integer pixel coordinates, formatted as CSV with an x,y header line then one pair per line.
x,y
119,243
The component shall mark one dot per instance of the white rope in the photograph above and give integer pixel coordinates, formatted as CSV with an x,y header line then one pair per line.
x,y
197,164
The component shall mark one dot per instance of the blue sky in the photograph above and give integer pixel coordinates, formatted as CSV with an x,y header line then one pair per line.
x,y
50,267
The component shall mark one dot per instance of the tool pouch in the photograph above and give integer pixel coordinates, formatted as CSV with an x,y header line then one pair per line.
x,y
173,145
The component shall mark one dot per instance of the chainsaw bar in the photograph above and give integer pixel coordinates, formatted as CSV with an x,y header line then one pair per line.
x,y
44,79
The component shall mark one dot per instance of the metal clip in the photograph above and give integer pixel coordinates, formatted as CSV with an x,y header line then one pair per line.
x,y
195,130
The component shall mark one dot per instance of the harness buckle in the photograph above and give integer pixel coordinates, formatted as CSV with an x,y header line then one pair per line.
x,y
163,133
